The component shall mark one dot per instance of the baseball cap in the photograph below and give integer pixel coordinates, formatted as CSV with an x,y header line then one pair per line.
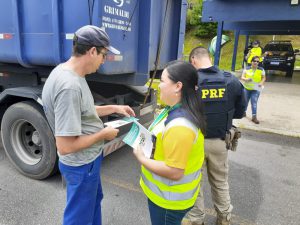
x,y
94,36
255,42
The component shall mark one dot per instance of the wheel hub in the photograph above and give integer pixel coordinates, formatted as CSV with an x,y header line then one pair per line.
x,y
36,138
26,142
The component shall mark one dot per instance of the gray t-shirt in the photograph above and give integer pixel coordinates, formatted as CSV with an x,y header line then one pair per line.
x,y
69,107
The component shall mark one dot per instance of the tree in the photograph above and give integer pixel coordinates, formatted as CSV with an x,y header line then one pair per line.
x,y
193,21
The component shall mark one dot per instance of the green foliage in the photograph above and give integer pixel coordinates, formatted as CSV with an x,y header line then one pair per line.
x,y
193,14
204,30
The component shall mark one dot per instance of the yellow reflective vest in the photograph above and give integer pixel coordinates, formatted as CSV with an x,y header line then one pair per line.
x,y
255,76
255,52
170,194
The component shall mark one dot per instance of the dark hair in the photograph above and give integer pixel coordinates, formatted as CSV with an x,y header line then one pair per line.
x,y
199,52
180,71
254,57
81,49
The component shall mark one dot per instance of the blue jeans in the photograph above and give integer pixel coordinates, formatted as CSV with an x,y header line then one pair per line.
x,y
162,216
252,95
84,193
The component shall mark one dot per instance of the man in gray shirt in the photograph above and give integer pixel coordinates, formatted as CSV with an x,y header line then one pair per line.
x,y
79,132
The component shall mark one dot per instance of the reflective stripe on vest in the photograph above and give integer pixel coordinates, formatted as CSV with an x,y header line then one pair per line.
x,y
182,122
186,179
168,195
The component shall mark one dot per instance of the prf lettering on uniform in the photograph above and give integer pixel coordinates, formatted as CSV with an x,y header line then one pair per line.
x,y
213,93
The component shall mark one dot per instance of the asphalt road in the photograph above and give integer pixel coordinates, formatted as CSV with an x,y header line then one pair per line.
x,y
264,182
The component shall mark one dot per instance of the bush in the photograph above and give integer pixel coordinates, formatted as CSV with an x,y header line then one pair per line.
x,y
204,30
193,14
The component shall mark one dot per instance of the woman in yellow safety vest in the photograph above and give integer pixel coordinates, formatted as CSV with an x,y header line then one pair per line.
x,y
171,179
255,51
253,78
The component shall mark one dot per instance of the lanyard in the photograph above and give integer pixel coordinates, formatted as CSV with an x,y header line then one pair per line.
x,y
162,115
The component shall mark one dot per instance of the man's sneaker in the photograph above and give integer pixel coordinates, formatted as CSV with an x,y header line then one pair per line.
x,y
255,120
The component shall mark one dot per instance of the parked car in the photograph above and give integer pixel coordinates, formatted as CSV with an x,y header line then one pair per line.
x,y
280,55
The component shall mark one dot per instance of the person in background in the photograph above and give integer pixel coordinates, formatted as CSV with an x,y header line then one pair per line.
x,y
224,100
256,50
254,78
75,122
171,180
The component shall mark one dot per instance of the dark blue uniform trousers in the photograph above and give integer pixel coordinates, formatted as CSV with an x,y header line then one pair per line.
x,y
84,193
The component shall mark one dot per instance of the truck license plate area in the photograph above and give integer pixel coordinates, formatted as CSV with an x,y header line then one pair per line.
x,y
274,63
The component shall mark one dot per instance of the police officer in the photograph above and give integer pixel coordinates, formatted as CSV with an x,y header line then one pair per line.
x,y
224,100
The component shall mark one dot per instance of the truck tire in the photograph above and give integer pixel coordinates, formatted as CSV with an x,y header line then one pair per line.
x,y
28,140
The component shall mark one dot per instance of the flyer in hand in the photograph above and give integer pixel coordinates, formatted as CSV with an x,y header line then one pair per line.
x,y
139,135
121,122
252,85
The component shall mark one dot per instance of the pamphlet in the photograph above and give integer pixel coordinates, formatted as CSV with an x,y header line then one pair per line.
x,y
121,122
139,136
252,85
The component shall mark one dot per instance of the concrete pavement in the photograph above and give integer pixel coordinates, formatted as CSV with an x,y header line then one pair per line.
x,y
278,106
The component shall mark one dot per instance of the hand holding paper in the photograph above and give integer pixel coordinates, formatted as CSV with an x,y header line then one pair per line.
x,y
139,153
139,136
252,85
110,133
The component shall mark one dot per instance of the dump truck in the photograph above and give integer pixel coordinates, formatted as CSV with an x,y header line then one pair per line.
x,y
35,36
